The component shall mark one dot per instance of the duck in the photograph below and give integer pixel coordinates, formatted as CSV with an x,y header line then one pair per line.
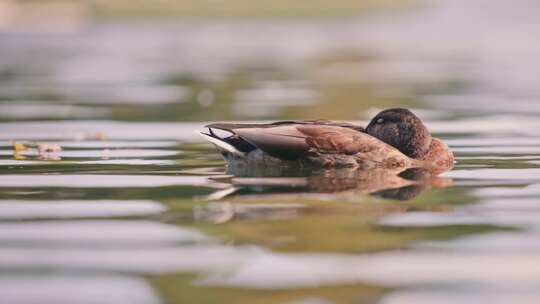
x,y
395,139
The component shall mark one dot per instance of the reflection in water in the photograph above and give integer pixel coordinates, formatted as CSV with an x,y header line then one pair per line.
x,y
396,185
391,184
219,213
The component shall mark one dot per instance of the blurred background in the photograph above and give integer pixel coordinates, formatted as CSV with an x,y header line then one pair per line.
x,y
107,195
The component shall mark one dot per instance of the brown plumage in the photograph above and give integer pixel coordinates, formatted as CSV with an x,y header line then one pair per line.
x,y
395,138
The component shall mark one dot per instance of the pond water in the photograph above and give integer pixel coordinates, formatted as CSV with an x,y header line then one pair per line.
x,y
137,209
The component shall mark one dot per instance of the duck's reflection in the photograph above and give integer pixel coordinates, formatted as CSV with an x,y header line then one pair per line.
x,y
391,184
387,184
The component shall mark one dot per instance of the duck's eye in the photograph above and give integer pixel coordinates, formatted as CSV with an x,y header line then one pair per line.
x,y
380,121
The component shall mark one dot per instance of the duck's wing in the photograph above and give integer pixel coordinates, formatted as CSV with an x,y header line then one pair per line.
x,y
283,141
290,140
312,122
245,138
338,140
321,122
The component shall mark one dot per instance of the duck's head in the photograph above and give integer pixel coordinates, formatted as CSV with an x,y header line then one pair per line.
x,y
401,129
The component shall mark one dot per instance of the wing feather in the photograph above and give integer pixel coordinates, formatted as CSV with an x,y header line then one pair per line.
x,y
283,141
292,139
338,140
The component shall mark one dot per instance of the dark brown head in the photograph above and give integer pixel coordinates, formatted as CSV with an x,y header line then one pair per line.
x,y
401,129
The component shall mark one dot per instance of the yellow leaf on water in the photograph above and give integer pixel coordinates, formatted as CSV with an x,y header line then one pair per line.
x,y
18,147
18,156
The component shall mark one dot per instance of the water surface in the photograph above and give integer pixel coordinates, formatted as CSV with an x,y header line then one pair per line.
x,y
137,209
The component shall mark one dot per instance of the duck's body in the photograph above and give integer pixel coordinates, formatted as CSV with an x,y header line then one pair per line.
x,y
325,143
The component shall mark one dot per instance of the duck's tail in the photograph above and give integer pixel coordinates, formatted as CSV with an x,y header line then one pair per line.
x,y
222,145
229,145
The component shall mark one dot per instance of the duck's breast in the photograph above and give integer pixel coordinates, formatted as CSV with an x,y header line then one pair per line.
x,y
439,158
